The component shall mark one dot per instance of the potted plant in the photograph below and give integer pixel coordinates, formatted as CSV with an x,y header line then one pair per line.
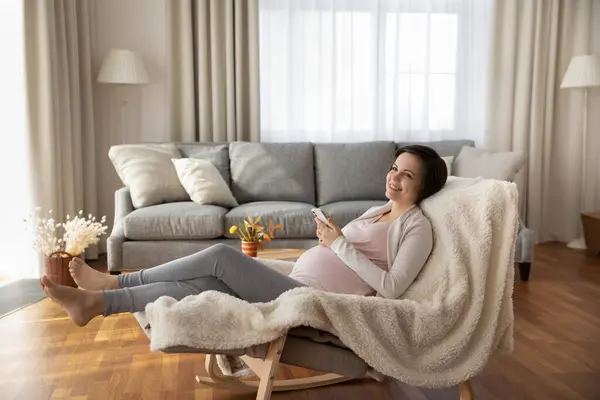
x,y
59,242
253,235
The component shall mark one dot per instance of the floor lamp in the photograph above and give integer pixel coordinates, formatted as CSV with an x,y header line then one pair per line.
x,y
123,67
583,73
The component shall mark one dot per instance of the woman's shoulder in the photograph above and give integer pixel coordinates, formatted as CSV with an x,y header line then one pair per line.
x,y
416,218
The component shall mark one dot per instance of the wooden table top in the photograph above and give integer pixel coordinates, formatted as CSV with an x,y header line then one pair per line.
x,y
280,254
594,215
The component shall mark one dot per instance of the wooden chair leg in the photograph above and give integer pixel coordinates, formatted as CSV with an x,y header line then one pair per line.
x,y
524,271
466,391
265,370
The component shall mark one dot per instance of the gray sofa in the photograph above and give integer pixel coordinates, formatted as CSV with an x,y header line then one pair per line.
x,y
278,181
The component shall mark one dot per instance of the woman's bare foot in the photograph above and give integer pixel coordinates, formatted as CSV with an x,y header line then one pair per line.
x,y
80,305
88,278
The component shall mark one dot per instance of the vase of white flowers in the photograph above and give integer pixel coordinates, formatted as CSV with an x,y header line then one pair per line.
x,y
61,242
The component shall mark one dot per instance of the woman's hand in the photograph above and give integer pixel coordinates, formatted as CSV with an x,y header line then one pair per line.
x,y
327,233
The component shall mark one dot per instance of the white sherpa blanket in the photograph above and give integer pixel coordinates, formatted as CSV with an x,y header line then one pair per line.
x,y
441,332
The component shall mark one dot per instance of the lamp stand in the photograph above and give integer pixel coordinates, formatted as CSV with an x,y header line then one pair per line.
x,y
122,131
580,242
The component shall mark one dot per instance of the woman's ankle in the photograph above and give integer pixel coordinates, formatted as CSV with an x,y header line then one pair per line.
x,y
95,303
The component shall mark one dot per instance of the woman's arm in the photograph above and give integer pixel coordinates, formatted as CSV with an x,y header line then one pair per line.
x,y
412,255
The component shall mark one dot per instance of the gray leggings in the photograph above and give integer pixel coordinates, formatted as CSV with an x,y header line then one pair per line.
x,y
220,267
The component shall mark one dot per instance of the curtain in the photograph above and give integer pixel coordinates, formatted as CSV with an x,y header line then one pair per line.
x,y
534,41
60,108
213,55
360,70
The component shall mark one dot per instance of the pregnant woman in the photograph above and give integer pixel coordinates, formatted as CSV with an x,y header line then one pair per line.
x,y
379,253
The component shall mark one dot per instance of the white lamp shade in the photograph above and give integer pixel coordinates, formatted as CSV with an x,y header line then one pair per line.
x,y
123,67
583,71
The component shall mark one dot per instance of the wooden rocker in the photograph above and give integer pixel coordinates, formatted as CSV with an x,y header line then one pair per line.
x,y
302,347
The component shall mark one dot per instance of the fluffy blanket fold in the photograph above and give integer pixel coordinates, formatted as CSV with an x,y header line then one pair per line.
x,y
441,332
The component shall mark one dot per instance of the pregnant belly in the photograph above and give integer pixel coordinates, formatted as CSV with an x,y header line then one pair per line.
x,y
321,268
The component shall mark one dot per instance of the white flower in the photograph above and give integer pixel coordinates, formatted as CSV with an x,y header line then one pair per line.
x,y
77,233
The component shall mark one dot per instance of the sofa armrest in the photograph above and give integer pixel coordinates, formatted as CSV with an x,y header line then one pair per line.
x,y
123,206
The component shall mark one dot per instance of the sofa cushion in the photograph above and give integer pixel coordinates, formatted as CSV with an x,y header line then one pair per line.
x,y
272,172
147,170
175,221
296,218
444,148
216,153
203,183
352,171
343,212
504,166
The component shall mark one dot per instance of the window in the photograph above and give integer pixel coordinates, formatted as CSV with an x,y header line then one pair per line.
x,y
373,70
19,260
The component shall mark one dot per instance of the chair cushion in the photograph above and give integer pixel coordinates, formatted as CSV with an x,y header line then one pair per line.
x,y
309,354
296,218
272,171
352,171
175,221
343,212
216,153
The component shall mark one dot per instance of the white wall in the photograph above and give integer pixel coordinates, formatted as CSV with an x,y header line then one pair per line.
x,y
137,25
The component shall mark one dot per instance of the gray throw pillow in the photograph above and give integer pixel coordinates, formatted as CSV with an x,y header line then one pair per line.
x,y
216,153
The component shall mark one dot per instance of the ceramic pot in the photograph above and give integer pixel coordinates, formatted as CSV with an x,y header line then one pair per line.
x,y
250,248
57,268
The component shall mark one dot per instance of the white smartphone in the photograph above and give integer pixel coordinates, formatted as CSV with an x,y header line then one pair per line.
x,y
318,213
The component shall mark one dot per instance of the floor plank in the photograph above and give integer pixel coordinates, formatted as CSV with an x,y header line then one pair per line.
x,y
557,351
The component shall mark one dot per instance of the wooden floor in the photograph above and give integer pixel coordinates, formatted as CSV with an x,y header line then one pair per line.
x,y
557,351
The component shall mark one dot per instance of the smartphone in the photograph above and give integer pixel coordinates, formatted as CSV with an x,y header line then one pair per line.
x,y
318,213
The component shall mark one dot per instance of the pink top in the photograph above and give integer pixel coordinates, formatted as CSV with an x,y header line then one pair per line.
x,y
321,268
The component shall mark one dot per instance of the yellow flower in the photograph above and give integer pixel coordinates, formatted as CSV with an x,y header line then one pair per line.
x,y
233,229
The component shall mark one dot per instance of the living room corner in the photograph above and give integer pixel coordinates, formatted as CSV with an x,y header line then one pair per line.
x,y
308,138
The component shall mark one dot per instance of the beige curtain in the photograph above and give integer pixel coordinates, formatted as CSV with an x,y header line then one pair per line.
x,y
533,42
60,108
214,61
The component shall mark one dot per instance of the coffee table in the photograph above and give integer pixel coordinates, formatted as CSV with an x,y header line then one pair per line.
x,y
281,254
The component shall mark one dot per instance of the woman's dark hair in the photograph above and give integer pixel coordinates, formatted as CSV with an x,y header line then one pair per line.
x,y
434,169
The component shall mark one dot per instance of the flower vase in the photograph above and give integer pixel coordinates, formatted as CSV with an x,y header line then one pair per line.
x,y
57,268
250,248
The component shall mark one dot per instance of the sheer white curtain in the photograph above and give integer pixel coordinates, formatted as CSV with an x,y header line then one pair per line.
x,y
359,70
19,259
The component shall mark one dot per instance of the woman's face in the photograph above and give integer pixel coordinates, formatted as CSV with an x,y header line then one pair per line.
x,y
403,181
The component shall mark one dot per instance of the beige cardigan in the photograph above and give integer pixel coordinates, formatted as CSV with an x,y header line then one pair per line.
x,y
410,241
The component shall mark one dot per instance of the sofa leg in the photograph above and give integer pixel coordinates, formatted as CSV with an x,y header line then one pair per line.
x,y
115,272
524,270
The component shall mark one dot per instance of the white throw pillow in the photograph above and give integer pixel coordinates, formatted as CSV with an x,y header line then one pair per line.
x,y
147,170
203,182
448,160
473,163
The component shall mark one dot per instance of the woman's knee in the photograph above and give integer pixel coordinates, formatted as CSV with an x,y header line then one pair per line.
x,y
220,249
